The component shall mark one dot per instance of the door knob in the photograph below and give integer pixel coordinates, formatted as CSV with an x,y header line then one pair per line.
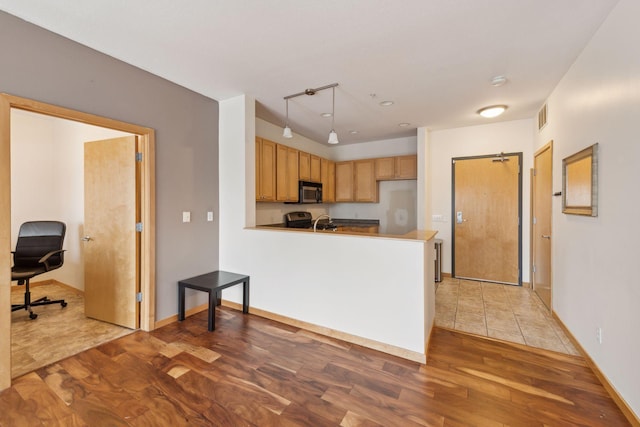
x,y
86,238
546,236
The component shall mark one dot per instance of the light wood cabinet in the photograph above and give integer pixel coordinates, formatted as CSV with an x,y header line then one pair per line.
x,y
365,184
369,229
385,168
315,168
344,182
286,174
406,167
304,166
265,170
400,167
328,179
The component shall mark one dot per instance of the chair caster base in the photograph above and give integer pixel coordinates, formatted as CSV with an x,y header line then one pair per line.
x,y
32,315
63,304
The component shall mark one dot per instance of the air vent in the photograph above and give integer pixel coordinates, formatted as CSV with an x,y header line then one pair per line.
x,y
542,117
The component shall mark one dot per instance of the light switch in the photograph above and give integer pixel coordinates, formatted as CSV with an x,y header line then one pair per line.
x,y
210,216
186,216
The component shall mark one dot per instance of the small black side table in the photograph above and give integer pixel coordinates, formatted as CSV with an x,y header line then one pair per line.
x,y
213,283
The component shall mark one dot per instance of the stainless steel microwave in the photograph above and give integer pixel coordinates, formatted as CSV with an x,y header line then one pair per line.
x,y
309,192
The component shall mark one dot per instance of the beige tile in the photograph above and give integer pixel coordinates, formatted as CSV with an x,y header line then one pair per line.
x,y
505,321
506,336
470,318
548,344
473,328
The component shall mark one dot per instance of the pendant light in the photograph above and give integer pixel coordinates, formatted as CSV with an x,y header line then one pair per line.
x,y
333,136
286,133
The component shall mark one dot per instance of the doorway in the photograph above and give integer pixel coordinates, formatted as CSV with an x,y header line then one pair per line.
x,y
541,198
486,218
145,198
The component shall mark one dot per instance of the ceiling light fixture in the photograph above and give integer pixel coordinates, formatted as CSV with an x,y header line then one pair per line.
x,y
286,133
333,136
492,111
386,103
403,125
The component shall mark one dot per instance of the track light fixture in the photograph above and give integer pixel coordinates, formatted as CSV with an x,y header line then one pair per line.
x,y
333,136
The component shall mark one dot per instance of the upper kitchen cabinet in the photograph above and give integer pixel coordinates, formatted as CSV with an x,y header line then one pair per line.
x,y
315,169
309,167
406,167
328,179
344,182
286,174
400,167
356,181
304,166
365,185
265,170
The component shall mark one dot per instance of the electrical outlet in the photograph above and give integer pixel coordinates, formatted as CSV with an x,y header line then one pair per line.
x,y
599,335
210,216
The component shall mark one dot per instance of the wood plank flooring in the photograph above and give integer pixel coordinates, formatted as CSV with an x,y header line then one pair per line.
x,y
255,372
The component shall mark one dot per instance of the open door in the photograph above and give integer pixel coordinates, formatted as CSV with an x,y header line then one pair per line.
x,y
486,218
541,195
111,243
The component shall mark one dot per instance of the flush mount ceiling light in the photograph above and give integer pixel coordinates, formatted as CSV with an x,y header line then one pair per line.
x,y
403,125
386,103
333,136
492,111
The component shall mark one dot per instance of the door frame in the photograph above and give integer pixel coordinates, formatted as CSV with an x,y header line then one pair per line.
x,y
145,199
453,207
532,256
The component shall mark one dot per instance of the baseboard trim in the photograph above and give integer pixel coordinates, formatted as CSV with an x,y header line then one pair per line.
x,y
321,330
622,404
187,313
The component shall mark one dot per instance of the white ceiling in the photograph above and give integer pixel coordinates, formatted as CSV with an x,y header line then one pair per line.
x,y
433,58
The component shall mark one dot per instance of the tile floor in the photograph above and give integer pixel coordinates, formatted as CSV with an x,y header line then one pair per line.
x,y
510,313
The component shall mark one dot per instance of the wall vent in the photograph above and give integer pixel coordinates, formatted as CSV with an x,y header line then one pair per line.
x,y
542,117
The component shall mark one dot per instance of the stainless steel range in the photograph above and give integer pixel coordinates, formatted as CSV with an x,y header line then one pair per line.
x,y
305,220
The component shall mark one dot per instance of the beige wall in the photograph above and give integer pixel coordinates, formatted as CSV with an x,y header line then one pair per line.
x,y
595,260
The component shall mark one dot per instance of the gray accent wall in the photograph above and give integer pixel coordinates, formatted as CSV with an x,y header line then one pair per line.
x,y
40,65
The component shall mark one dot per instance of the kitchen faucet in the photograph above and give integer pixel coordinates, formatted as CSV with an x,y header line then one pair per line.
x,y
315,223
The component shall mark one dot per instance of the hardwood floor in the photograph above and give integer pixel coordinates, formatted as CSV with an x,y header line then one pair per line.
x,y
255,372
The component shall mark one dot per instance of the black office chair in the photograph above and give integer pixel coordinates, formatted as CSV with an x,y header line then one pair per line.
x,y
38,250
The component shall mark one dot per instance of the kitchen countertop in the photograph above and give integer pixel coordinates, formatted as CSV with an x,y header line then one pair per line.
x,y
424,235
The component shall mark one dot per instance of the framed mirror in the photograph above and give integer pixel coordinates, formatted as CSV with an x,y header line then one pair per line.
x,y
580,182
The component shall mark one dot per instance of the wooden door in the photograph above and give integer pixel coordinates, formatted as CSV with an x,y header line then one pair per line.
x,y
541,198
486,218
111,243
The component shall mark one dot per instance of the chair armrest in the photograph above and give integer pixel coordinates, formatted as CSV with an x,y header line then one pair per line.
x,y
45,259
